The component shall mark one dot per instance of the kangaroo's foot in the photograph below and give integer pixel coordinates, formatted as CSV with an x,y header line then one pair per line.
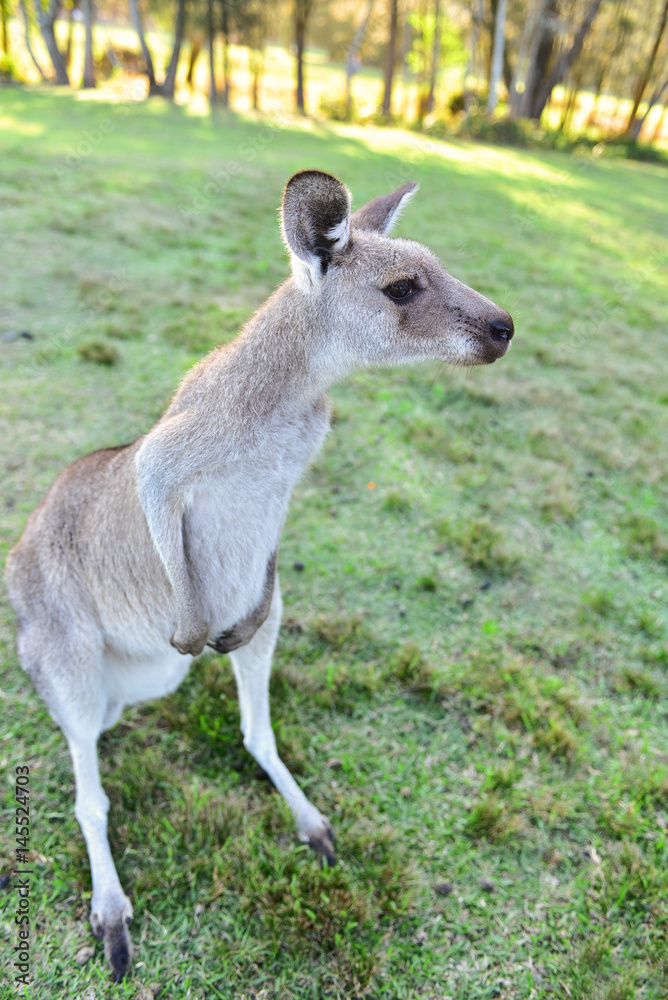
x,y
320,838
110,924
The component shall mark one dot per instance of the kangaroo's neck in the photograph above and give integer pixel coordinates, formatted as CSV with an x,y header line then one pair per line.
x,y
277,364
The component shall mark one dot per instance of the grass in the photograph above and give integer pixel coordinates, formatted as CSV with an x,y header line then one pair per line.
x,y
471,678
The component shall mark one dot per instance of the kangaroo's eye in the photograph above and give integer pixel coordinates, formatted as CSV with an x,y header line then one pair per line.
x,y
399,290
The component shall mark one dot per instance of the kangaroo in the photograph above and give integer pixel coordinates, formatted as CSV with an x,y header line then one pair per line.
x,y
142,556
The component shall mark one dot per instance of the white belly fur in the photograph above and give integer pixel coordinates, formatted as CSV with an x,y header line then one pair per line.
x,y
128,680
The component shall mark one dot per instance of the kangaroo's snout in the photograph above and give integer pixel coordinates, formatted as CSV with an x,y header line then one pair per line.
x,y
502,329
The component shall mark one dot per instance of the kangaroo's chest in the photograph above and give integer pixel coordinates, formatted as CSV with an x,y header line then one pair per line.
x,y
233,523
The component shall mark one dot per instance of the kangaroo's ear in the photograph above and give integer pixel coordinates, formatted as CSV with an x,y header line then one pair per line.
x,y
379,215
316,222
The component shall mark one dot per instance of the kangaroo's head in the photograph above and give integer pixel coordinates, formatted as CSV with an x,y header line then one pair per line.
x,y
376,299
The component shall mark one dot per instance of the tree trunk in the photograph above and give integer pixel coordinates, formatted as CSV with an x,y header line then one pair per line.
x,y
471,65
539,60
5,33
659,125
435,55
302,11
638,122
195,49
564,62
497,56
643,80
213,93
389,65
569,108
257,66
136,21
591,117
227,81
67,54
490,24
167,88
46,18
353,53
26,22
89,70
525,57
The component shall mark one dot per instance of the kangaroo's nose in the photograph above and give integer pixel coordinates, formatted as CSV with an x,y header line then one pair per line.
x,y
502,329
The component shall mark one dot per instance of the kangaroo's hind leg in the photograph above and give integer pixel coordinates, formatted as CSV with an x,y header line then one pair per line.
x,y
111,910
67,673
252,666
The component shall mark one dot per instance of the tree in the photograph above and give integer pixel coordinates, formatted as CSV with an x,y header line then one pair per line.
x,y
148,60
545,66
225,25
352,55
526,59
89,71
46,18
391,56
303,9
497,55
26,23
611,43
435,56
256,29
643,79
213,93
166,88
469,72
4,14
564,62
639,121
196,39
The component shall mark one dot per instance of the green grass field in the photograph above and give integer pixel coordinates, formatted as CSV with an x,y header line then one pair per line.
x,y
471,678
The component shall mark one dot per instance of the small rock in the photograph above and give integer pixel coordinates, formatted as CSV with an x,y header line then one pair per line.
x,y
17,334
336,489
421,937
487,885
149,992
466,601
334,762
332,511
299,566
443,888
84,954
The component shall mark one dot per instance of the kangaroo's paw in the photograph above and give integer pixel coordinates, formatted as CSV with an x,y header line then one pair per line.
x,y
111,926
191,640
